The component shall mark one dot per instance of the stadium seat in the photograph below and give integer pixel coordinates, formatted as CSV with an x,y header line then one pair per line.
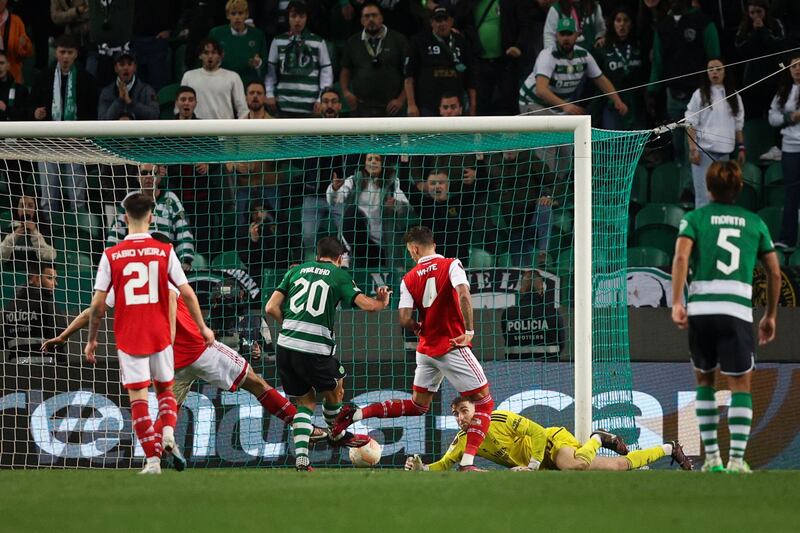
x,y
199,262
647,256
227,260
748,197
759,137
166,100
665,183
480,258
794,259
773,185
640,190
772,217
657,226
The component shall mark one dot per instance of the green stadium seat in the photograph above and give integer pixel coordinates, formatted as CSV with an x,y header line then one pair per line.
x,y
199,262
759,137
665,183
772,217
794,259
640,190
657,226
773,185
647,256
166,100
480,258
227,260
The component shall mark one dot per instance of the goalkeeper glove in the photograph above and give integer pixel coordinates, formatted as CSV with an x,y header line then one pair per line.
x,y
414,463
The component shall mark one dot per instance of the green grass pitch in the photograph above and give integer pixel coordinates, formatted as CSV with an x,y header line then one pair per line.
x,y
281,500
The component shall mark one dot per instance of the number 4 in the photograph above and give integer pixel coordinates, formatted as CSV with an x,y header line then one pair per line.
x,y
430,293
725,244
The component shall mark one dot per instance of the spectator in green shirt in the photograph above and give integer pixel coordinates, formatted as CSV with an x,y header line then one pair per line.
x,y
245,47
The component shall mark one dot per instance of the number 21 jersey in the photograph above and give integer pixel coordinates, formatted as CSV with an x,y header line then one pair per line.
x,y
430,289
138,269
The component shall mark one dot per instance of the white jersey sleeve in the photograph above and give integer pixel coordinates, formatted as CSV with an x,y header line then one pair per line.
x,y
103,280
406,300
175,272
111,298
457,274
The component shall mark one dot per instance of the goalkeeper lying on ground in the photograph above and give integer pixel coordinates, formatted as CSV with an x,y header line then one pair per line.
x,y
515,442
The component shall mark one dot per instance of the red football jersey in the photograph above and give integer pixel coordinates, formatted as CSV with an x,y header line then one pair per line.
x,y
430,289
138,269
189,345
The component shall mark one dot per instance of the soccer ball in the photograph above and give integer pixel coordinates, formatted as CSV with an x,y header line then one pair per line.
x,y
366,456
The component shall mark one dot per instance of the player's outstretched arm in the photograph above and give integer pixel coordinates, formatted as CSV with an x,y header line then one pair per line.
x,y
766,327
379,303
77,324
274,305
680,271
190,299
465,302
96,311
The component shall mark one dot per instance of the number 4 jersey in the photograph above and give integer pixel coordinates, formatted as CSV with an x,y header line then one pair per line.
x,y
429,288
138,269
312,292
727,242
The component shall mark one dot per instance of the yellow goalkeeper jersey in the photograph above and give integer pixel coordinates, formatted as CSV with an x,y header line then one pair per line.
x,y
512,440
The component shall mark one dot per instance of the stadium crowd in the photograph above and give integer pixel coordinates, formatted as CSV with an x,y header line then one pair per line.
x,y
145,59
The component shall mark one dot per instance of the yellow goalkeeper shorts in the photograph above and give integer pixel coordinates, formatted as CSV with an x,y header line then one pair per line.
x,y
557,438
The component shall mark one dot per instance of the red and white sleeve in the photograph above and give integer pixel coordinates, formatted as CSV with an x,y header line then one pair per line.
x,y
175,272
103,280
406,300
457,274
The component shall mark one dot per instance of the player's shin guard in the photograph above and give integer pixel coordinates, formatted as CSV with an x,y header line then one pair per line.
x,y
301,432
393,409
740,418
167,409
478,428
708,420
640,458
277,405
588,451
143,427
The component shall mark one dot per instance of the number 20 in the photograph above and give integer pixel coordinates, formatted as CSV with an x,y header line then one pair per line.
x,y
146,275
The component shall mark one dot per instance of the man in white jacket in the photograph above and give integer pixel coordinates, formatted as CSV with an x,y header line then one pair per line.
x,y
220,93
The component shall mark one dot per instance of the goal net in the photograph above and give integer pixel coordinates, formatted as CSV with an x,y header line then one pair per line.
x,y
541,233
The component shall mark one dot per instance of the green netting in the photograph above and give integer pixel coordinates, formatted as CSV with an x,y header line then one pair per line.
x,y
242,210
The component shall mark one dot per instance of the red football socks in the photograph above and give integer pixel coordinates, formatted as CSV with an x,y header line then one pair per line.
x,y
277,405
393,409
479,425
143,427
167,409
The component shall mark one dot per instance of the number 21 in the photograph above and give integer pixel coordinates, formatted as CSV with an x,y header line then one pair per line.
x,y
146,275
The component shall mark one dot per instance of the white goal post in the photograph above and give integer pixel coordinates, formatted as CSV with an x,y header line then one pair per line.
x,y
579,126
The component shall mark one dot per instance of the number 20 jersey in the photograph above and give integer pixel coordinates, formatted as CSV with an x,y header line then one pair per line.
x,y
728,240
138,268
431,288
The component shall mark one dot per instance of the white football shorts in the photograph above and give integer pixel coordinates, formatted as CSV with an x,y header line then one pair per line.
x,y
459,366
136,371
218,365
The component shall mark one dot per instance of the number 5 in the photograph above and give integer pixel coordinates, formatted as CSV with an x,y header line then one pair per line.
x,y
725,244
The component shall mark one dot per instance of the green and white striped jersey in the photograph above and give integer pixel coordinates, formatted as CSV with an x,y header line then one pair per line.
x,y
565,75
169,219
728,240
312,293
298,67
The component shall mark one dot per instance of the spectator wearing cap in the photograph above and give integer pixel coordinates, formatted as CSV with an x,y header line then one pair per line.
x,y
110,31
16,43
556,81
220,93
439,61
298,68
372,67
245,47
128,96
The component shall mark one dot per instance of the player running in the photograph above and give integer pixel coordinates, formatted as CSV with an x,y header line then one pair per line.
x,y
518,443
722,242
305,305
439,290
139,269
